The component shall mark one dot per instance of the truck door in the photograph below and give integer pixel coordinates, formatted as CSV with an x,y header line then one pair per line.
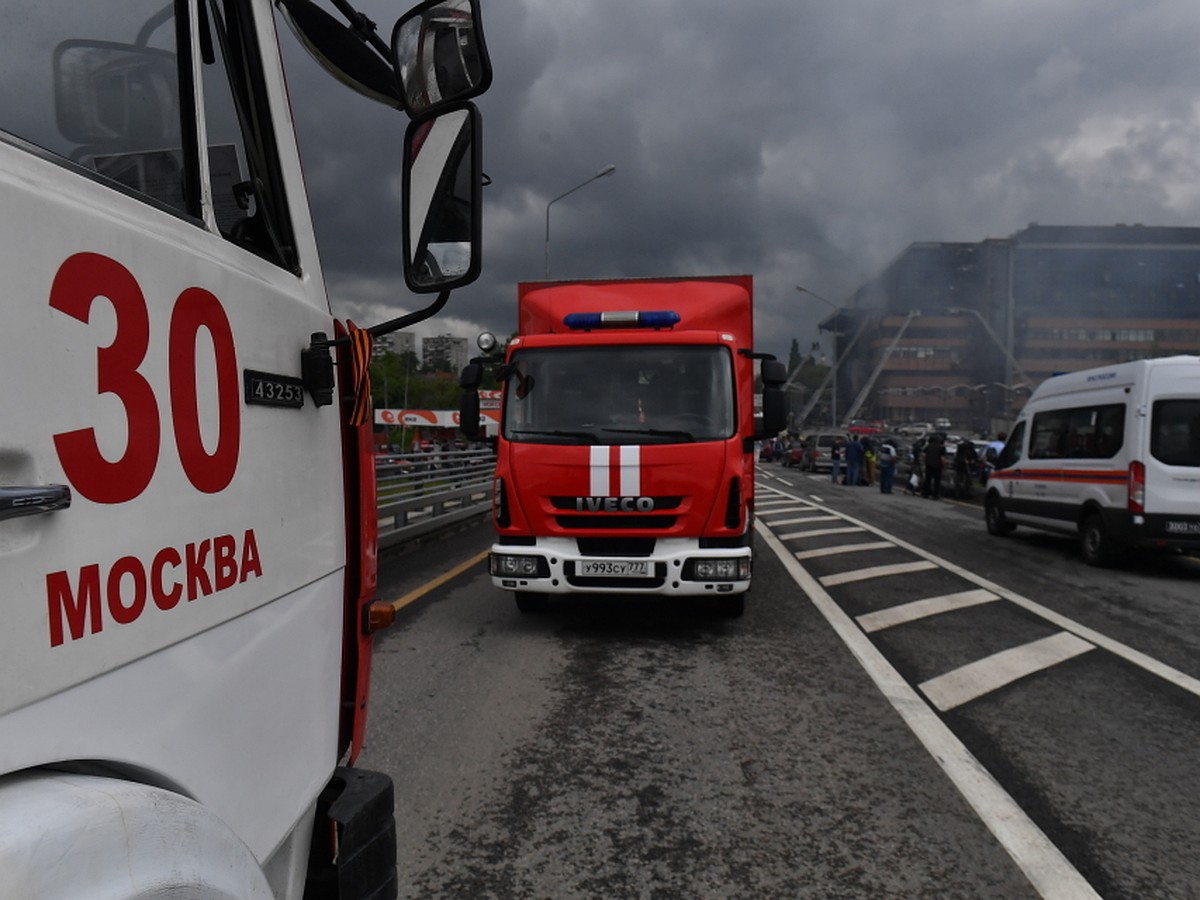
x,y
160,282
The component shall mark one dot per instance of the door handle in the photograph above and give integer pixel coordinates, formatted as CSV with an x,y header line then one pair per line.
x,y
29,501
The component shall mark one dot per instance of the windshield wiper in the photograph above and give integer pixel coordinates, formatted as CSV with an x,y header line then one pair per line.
x,y
654,432
581,435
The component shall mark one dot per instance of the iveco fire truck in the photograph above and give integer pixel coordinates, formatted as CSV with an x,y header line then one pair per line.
x,y
187,544
625,454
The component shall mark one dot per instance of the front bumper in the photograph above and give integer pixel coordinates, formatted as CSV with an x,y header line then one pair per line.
x,y
674,568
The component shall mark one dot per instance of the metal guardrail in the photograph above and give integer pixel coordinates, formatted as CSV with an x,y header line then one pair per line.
x,y
421,494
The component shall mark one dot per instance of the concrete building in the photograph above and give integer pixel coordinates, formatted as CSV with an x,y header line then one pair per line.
x,y
398,342
966,331
445,353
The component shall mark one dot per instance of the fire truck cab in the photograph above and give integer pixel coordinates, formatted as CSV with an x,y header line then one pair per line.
x,y
187,509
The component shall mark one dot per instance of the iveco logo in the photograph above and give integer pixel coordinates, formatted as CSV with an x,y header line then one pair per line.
x,y
614,504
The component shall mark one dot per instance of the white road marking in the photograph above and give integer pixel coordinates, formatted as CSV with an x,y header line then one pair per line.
x,y
817,532
800,519
843,548
870,572
966,683
1050,873
1141,660
920,609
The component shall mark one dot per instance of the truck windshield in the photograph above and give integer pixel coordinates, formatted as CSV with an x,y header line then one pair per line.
x,y
620,395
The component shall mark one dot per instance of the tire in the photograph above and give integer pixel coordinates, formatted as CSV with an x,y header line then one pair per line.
x,y
1095,545
531,603
997,522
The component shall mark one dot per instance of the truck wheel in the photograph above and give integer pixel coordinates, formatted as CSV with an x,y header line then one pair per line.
x,y
1094,542
531,603
731,607
997,522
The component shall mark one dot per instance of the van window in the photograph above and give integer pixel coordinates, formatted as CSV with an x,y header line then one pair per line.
x,y
98,85
1011,454
1175,432
1082,432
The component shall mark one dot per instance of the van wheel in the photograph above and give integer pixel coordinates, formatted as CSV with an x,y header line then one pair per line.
x,y
1094,542
997,522
530,603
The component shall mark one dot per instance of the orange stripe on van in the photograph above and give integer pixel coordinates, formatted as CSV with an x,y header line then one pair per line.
x,y
1074,476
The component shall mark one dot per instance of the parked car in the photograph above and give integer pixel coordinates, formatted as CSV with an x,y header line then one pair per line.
x,y
817,447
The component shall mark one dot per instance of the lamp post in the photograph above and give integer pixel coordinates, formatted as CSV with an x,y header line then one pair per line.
x,y
607,170
833,397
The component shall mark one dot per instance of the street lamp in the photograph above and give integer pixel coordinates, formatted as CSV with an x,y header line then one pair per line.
x,y
607,170
833,374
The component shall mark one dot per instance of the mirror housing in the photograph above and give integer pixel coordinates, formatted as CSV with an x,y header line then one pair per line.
x,y
439,55
443,203
468,403
774,397
343,52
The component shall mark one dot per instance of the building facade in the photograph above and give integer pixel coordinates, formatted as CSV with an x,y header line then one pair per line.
x,y
966,331
444,353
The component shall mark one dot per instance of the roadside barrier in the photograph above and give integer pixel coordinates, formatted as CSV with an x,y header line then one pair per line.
x,y
419,495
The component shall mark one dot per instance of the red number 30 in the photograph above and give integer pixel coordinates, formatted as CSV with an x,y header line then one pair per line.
x,y
81,280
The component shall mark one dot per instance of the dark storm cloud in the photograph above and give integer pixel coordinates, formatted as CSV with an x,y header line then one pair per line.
x,y
804,143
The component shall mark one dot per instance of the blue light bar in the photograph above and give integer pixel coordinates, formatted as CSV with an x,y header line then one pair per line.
x,y
627,318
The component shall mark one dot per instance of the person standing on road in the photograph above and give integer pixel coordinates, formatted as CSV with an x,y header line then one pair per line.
x,y
932,486
887,467
869,459
854,460
835,459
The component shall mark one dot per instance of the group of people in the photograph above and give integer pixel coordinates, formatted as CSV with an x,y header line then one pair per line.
x,y
866,457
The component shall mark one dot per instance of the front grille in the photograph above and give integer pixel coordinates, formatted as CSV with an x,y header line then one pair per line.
x,y
615,522
616,546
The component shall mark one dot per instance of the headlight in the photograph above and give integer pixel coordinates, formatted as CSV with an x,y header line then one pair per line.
x,y
722,569
523,566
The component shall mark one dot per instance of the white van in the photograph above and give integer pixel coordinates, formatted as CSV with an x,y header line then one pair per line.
x,y
1111,454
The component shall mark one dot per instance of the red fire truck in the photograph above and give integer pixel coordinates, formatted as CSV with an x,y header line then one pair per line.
x,y
187,508
625,454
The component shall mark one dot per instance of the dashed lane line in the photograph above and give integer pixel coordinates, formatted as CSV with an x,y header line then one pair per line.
x,y
1050,873
966,683
920,609
866,574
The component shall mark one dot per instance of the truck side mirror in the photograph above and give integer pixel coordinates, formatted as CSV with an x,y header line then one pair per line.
x,y
116,96
443,186
439,55
468,404
774,399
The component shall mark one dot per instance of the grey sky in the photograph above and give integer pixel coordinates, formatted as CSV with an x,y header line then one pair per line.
x,y
800,142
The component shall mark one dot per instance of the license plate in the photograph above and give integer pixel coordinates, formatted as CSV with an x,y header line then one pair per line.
x,y
1183,528
621,567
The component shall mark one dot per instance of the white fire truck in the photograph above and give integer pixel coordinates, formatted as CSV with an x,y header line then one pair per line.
x,y
187,545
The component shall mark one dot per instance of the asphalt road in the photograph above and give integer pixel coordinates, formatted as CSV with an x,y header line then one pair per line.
x,y
1029,730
